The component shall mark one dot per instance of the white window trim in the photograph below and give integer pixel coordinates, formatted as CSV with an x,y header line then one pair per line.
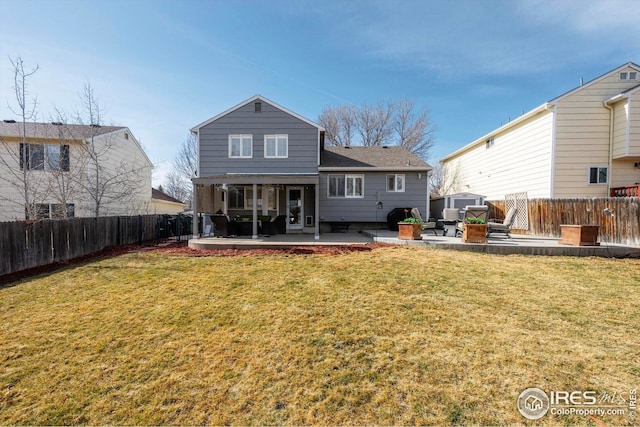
x,y
395,182
598,167
628,76
346,178
286,154
241,136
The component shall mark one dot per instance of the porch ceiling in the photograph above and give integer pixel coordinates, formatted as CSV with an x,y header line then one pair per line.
x,y
237,179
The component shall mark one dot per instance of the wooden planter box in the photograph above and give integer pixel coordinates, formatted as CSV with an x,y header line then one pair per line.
x,y
409,231
579,235
474,233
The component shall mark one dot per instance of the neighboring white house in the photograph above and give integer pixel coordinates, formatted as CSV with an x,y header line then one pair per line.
x,y
55,175
584,143
162,203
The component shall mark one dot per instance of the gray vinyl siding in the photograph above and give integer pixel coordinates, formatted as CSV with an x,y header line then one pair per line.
x,y
364,209
214,142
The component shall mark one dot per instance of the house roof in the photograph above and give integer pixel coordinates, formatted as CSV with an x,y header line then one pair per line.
x,y
50,130
388,158
159,195
38,130
195,129
597,79
624,95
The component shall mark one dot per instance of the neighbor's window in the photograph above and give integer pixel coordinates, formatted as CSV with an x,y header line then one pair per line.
x,y
276,146
629,75
241,146
48,157
598,175
395,183
53,211
348,186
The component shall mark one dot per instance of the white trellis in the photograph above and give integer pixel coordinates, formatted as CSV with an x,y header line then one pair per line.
x,y
520,202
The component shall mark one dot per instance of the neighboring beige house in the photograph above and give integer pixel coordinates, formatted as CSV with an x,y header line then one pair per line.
x,y
54,176
162,203
584,143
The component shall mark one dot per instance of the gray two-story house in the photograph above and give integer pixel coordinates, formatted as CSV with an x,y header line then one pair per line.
x,y
259,160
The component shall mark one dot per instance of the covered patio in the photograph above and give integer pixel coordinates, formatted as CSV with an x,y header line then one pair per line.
x,y
254,198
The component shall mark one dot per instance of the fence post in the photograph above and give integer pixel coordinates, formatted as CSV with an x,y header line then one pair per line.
x,y
140,230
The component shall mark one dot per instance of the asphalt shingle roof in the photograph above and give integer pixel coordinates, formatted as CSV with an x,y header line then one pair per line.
x,y
49,130
362,157
160,195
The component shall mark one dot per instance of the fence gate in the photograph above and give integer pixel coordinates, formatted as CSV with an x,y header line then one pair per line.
x,y
520,202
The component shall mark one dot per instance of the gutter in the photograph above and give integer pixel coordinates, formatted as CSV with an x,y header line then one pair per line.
x,y
375,169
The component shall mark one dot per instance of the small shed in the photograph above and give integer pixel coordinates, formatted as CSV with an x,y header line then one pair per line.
x,y
457,201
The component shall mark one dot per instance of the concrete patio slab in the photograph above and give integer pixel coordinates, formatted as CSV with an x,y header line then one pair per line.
x,y
280,241
516,244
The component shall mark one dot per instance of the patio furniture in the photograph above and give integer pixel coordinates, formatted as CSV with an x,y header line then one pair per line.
x,y
276,225
451,217
222,227
426,226
503,227
473,211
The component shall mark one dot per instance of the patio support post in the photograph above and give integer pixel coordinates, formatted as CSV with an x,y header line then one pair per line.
x,y
316,189
195,211
255,212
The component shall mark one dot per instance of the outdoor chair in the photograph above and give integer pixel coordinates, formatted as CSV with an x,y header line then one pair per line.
x,y
426,226
277,225
503,227
473,211
222,227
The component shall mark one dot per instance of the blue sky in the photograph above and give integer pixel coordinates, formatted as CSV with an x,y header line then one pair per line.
x,y
161,67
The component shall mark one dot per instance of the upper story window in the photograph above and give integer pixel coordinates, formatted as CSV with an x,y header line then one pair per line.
x,y
348,186
489,143
241,146
395,183
598,174
47,157
276,146
52,211
629,75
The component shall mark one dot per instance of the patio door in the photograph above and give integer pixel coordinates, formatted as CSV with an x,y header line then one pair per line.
x,y
295,208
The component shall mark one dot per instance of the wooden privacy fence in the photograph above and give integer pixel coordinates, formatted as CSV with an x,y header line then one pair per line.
x,y
546,215
26,245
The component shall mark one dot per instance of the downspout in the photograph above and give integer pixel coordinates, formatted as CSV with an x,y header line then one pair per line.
x,y
609,165
428,209
553,107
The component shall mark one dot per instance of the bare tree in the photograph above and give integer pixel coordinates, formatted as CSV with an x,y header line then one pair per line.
x,y
107,182
445,179
18,160
185,167
383,123
339,123
67,168
373,123
176,187
413,129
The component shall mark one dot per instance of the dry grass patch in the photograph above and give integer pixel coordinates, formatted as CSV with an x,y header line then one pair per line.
x,y
392,336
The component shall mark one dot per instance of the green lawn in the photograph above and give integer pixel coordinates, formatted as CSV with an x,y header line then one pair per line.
x,y
392,336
